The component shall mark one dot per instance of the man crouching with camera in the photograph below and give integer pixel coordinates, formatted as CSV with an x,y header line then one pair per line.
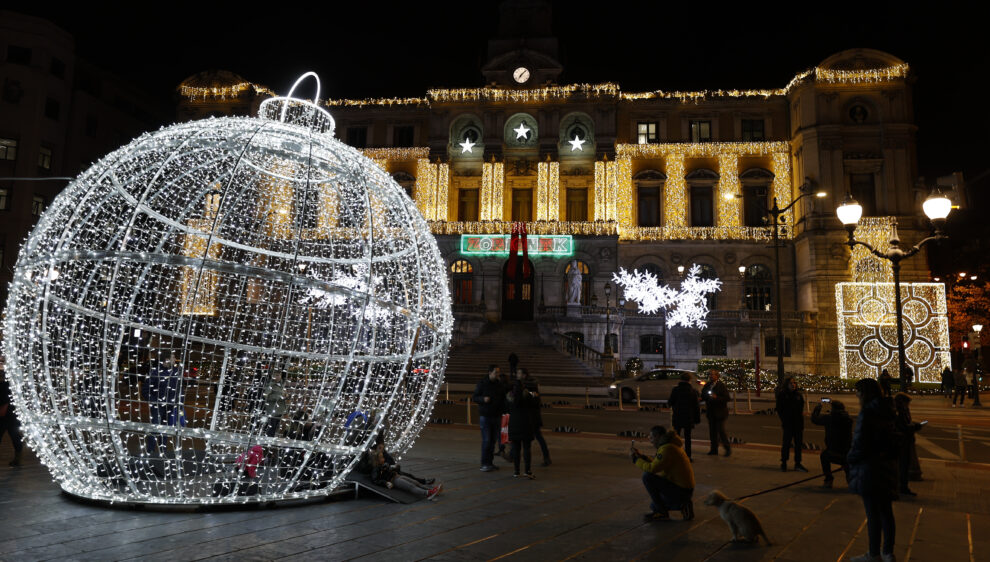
x,y
667,477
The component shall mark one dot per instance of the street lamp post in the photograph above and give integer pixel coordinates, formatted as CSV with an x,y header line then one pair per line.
x,y
774,214
608,318
976,370
742,287
936,207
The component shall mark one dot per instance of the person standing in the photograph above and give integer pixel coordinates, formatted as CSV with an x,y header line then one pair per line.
x,y
972,377
838,438
523,408
885,380
872,463
275,406
959,378
716,397
9,423
685,410
489,394
907,429
947,382
163,390
790,410
513,363
534,389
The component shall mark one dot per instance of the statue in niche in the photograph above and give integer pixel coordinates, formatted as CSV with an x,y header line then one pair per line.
x,y
574,279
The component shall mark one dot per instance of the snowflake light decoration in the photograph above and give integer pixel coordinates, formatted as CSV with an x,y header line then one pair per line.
x,y
685,307
226,311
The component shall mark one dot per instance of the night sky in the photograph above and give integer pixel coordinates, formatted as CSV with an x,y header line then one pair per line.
x,y
370,49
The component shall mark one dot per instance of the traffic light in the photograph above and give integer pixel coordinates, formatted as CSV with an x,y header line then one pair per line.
x,y
965,343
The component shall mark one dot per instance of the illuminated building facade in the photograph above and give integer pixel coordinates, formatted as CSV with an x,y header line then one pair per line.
x,y
649,180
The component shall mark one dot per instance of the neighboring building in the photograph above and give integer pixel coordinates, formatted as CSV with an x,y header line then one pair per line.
x,y
648,180
58,114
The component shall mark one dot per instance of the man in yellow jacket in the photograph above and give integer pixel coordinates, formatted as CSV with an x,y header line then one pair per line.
x,y
668,477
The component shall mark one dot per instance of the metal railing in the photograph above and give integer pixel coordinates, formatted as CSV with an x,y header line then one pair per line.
x,y
587,355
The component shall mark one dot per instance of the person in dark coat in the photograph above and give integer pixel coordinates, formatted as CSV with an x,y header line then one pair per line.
x,y
489,394
959,379
685,410
948,382
716,397
907,429
838,438
790,410
534,388
9,423
513,364
523,408
885,380
163,391
872,463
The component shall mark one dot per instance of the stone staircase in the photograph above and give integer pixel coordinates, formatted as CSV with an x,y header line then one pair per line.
x,y
468,363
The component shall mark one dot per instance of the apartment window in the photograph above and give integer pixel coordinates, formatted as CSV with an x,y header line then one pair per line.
x,y
4,199
752,130
648,206
18,55
863,190
708,272
702,206
577,204
52,109
651,344
714,345
402,135
467,205
8,149
772,346
357,137
12,91
45,158
701,131
92,124
522,205
646,132
462,281
758,293
37,205
755,204
57,68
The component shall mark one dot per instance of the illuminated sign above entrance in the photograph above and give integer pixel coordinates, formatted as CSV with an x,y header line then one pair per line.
x,y
550,245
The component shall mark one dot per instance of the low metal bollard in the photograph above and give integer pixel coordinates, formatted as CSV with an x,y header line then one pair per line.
x,y
447,390
469,410
638,405
587,399
735,403
749,399
619,388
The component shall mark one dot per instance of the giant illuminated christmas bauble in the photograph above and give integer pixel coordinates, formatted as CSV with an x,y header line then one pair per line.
x,y
226,310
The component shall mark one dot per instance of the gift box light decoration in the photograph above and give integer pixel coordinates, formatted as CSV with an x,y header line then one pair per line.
x,y
219,286
868,329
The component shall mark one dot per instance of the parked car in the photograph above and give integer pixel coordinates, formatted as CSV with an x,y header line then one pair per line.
x,y
654,386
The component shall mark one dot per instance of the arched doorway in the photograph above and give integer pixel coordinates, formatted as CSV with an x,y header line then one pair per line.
x,y
517,291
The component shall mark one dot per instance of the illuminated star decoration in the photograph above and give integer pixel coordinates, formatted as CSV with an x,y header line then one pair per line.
x,y
521,131
687,307
576,144
466,146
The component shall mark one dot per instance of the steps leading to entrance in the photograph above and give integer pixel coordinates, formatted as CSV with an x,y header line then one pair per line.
x,y
468,363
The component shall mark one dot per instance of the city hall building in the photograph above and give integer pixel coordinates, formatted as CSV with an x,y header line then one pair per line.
x,y
604,178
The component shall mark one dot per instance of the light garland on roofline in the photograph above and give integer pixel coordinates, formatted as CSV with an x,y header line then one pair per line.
x,y
194,93
700,149
547,93
397,154
861,76
649,233
575,228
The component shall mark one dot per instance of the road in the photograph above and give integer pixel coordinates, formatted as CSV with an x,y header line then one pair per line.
x,y
957,434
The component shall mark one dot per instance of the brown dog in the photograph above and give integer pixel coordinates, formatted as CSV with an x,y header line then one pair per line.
x,y
743,523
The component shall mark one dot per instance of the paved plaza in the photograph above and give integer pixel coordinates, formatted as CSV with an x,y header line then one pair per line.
x,y
586,506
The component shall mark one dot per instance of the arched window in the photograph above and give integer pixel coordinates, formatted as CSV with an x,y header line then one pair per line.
x,y
714,345
585,281
772,346
651,344
758,282
462,281
655,270
708,272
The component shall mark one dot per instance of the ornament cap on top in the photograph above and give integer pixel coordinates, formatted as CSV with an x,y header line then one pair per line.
x,y
299,111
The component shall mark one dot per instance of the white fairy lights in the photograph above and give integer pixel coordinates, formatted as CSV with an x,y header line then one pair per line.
x,y
224,284
685,307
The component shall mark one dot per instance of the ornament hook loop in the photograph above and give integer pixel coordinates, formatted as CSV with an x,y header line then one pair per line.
x,y
288,109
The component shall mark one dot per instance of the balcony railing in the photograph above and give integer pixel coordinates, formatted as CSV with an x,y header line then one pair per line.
x,y
587,355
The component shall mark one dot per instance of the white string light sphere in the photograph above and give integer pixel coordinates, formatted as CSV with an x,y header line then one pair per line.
x,y
226,311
